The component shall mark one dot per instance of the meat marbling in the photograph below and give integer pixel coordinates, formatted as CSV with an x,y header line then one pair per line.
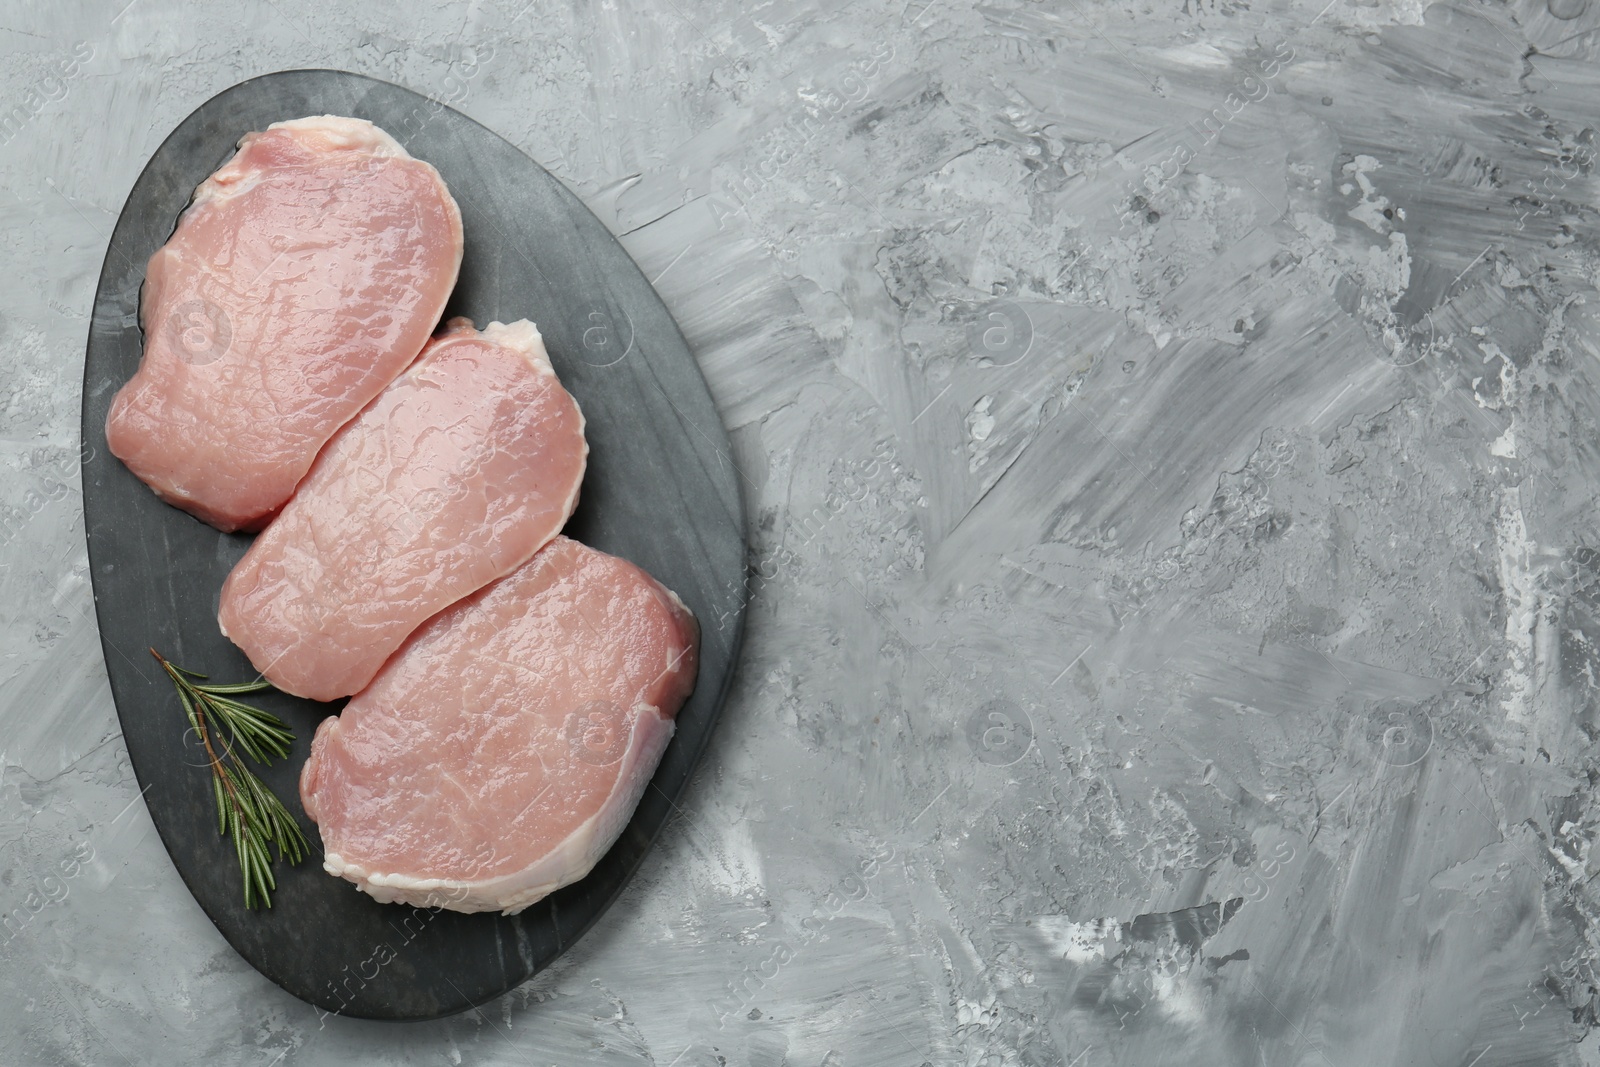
x,y
304,276
460,471
498,755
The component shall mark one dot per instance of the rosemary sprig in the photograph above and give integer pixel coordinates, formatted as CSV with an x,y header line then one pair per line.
x,y
247,810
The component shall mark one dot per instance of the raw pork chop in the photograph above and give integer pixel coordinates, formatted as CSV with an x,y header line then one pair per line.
x,y
305,275
457,474
497,757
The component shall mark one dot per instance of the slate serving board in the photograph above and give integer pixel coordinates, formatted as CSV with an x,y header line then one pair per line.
x,y
660,491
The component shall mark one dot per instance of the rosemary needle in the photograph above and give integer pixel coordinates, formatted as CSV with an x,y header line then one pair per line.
x,y
247,810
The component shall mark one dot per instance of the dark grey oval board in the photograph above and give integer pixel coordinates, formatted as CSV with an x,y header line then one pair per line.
x,y
660,491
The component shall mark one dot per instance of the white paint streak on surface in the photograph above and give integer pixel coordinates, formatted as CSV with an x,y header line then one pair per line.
x,y
1519,584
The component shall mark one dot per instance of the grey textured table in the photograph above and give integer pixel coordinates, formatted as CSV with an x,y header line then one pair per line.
x,y
1169,443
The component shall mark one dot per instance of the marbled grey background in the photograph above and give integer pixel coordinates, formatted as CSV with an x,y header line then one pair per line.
x,y
1168,436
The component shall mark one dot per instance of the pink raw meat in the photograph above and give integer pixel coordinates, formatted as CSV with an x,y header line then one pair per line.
x,y
454,476
497,757
305,275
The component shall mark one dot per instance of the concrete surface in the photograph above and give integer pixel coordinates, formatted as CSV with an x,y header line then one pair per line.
x,y
1169,443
